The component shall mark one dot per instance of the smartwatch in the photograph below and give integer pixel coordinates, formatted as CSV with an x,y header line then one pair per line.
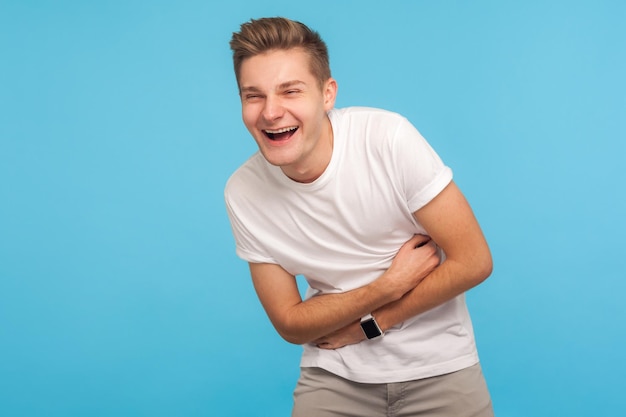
x,y
370,327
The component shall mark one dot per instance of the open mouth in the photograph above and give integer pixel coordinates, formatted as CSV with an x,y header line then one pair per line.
x,y
280,134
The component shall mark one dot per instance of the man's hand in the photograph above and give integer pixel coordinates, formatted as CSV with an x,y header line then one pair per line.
x,y
417,258
349,335
302,322
414,261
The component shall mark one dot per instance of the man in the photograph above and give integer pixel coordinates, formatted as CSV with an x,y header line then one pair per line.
x,y
357,202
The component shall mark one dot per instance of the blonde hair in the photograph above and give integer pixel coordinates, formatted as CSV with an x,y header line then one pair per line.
x,y
261,35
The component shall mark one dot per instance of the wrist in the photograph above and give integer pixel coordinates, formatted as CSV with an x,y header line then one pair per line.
x,y
387,289
381,320
370,327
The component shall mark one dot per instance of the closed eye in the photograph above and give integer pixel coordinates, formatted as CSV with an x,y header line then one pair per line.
x,y
252,97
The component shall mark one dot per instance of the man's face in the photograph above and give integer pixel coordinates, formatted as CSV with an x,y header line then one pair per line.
x,y
284,108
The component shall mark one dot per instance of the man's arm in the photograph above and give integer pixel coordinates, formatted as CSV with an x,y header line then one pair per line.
x,y
301,322
450,222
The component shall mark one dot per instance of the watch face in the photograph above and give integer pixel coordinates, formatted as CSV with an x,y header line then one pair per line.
x,y
370,328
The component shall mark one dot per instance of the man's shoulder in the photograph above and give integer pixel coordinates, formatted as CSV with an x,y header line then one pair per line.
x,y
366,119
364,112
366,122
251,170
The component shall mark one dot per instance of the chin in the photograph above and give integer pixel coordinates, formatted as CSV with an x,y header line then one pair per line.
x,y
277,160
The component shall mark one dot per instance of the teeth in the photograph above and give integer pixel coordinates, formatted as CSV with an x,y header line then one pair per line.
x,y
283,130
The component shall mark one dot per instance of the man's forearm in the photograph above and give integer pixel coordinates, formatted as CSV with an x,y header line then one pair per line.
x,y
447,281
449,220
301,322
444,283
324,314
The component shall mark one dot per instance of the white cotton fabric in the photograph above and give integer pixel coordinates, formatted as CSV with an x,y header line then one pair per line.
x,y
342,232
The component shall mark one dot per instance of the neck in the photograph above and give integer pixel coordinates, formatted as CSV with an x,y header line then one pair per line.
x,y
320,159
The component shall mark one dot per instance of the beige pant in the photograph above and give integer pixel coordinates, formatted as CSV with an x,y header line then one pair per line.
x,y
460,394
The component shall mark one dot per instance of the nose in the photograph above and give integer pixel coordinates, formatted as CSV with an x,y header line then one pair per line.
x,y
272,109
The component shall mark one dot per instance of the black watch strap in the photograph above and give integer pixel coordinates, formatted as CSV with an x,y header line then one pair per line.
x,y
370,328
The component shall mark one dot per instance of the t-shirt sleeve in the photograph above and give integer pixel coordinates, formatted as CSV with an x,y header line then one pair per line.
x,y
422,173
248,246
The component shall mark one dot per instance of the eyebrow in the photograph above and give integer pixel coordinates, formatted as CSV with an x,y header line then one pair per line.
x,y
289,84
281,86
249,90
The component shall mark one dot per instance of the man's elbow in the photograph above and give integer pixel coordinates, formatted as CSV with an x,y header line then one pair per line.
x,y
292,338
295,340
482,268
291,333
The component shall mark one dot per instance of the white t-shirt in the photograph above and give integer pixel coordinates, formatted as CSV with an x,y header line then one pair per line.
x,y
342,232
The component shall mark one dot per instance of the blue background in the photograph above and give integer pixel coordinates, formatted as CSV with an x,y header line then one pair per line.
x,y
120,293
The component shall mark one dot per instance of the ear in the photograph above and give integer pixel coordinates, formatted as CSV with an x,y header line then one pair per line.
x,y
330,93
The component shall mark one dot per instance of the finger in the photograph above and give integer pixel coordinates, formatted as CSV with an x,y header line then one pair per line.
x,y
421,240
414,242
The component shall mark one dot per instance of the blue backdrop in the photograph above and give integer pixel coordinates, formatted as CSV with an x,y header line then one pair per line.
x,y
120,293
